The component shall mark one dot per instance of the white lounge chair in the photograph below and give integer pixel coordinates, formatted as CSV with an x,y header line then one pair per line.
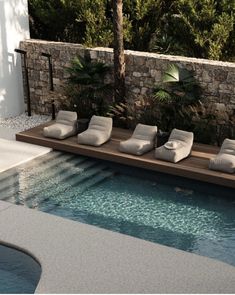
x,y
65,126
178,146
225,160
98,132
141,141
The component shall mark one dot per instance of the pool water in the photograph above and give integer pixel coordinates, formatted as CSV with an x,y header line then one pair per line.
x,y
172,211
19,272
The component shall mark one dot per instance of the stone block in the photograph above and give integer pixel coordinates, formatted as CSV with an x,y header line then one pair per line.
x,y
206,76
136,74
93,54
231,77
144,90
139,60
220,75
136,90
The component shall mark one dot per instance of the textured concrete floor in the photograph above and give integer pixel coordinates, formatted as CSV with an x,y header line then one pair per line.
x,y
79,258
13,153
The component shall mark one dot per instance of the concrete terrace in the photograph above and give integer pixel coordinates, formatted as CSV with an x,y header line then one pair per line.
x,y
79,258
14,153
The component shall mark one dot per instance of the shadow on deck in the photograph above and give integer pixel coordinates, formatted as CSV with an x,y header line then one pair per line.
x,y
194,167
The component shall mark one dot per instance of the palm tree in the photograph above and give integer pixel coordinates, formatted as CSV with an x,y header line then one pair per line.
x,y
118,49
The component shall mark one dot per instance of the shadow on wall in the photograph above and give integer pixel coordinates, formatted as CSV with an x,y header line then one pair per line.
x,y
14,27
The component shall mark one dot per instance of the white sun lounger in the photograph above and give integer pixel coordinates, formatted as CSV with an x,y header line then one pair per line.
x,y
225,160
177,147
141,141
65,126
98,132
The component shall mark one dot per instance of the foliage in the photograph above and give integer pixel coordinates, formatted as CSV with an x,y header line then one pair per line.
x,y
208,24
78,21
141,111
55,20
174,95
212,123
98,26
203,29
87,87
143,18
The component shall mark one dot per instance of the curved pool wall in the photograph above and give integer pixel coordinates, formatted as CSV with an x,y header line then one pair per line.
x,y
172,211
19,272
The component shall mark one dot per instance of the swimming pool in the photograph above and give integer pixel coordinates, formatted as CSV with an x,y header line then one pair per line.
x,y
19,272
173,211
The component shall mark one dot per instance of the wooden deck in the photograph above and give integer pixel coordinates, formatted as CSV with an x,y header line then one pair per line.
x,y
194,167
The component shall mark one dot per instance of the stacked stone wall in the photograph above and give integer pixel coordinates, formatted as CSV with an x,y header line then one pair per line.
x,y
143,72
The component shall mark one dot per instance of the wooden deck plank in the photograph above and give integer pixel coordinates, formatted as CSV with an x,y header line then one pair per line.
x,y
194,167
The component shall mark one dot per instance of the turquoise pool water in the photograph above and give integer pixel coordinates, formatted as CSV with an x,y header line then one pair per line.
x,y
19,273
172,211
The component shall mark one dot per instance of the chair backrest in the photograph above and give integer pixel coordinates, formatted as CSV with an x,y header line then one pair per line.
x,y
228,147
104,124
145,132
181,135
66,118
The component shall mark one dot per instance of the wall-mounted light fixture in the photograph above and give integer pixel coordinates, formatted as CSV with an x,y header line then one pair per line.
x,y
50,69
23,54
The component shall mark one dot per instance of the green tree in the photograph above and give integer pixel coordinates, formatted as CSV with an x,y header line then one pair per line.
x,y
95,14
143,19
118,50
202,29
87,89
55,20
78,21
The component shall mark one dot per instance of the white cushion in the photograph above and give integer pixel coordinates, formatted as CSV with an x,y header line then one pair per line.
x,y
59,131
177,148
64,127
225,160
141,141
98,132
66,118
228,147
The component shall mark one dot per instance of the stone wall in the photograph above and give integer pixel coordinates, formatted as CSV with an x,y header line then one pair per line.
x,y
143,71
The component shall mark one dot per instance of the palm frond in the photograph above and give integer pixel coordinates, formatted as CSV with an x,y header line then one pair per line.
x,y
162,96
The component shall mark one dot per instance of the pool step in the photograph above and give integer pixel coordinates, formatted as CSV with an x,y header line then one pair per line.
x,y
37,169
47,179
55,177
50,166
61,187
53,204
98,178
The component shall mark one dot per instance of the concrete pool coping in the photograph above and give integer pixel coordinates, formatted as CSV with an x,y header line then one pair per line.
x,y
14,153
80,258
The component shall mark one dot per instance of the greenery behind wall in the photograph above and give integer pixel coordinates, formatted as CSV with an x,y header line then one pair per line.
x,y
203,29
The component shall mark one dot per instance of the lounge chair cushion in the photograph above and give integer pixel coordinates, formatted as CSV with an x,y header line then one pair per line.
x,y
141,141
64,127
98,132
177,147
225,160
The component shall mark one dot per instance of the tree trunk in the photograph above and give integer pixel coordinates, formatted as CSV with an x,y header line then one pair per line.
x,y
118,50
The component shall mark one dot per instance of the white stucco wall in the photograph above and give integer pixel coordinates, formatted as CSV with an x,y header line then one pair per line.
x,y
14,27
